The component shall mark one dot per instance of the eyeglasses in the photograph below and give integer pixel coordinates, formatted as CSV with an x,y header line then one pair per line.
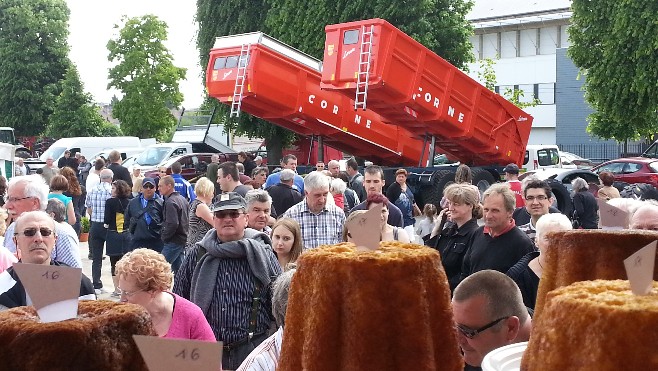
x,y
233,214
470,333
31,232
15,199
538,198
128,293
148,186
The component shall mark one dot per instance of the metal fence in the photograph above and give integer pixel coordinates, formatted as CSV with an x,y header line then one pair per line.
x,y
600,152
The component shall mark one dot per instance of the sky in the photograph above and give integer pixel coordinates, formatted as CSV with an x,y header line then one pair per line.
x,y
91,26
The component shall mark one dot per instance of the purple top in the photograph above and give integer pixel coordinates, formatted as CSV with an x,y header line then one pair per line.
x,y
188,321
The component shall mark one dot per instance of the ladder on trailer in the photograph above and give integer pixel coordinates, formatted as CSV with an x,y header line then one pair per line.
x,y
238,90
364,67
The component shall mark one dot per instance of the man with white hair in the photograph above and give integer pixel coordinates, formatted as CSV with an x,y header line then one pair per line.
x,y
334,168
30,193
49,170
95,203
645,217
284,196
35,238
321,223
259,207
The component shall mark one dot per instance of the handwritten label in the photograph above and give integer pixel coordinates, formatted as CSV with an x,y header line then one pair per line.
x,y
162,354
365,229
639,269
54,290
612,217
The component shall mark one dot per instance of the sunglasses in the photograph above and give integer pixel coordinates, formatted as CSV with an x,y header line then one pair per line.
x,y
31,232
232,214
148,186
470,333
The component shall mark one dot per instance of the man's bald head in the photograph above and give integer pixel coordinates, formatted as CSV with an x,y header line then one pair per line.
x,y
645,217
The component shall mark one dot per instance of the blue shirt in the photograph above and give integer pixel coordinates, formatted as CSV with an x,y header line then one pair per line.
x,y
183,187
275,178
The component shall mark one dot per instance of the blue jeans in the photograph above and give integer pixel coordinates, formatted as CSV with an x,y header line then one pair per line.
x,y
174,255
153,244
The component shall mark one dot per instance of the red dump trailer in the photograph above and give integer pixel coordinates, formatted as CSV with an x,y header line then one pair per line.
x,y
386,71
257,74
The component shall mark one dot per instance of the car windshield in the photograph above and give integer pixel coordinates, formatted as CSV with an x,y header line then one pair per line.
x,y
152,156
54,152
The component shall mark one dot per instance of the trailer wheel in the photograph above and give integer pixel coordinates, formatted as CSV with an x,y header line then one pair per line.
x,y
639,191
562,197
434,193
482,179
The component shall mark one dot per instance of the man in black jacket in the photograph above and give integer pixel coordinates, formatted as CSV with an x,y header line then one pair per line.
x,y
120,172
143,218
35,237
283,195
175,222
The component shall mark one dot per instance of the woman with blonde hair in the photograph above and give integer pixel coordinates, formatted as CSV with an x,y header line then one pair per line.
x,y
145,279
201,218
286,241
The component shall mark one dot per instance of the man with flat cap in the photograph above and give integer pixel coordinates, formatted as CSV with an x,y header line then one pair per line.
x,y
228,274
143,218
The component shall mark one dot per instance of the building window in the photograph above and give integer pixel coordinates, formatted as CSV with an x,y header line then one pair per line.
x,y
546,93
528,42
564,36
490,46
528,92
508,45
548,40
477,47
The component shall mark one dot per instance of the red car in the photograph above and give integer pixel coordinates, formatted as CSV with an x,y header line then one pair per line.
x,y
632,170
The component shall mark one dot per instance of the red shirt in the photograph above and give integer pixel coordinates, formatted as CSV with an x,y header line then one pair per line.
x,y
515,186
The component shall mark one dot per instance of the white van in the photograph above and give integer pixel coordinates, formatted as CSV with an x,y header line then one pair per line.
x,y
156,154
541,156
87,146
125,152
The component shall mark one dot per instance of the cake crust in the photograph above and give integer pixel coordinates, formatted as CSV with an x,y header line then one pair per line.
x,y
99,339
375,310
595,325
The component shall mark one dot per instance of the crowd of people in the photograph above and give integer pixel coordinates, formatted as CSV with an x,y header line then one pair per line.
x,y
213,261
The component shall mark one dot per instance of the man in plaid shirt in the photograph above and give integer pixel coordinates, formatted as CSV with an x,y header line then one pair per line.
x,y
321,223
95,204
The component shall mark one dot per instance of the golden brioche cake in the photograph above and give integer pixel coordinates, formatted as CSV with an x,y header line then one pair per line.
x,y
387,309
100,338
595,325
585,255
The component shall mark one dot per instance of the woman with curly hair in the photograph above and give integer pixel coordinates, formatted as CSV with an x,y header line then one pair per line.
x,y
77,194
145,279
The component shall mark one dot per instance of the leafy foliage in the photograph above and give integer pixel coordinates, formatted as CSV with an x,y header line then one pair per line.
x,y
614,45
74,114
146,76
33,51
486,72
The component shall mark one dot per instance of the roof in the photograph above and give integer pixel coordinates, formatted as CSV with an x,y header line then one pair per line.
x,y
493,13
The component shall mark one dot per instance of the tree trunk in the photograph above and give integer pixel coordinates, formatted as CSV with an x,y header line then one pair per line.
x,y
320,149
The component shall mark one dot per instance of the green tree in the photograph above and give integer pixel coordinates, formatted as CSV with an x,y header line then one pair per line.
x,y
145,74
244,16
74,114
614,45
33,55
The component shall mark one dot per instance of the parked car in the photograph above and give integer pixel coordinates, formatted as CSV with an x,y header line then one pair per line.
x,y
632,170
573,161
194,164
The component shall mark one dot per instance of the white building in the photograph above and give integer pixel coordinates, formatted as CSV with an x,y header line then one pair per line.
x,y
525,36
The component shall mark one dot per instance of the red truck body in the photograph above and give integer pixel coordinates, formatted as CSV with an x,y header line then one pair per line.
x,y
282,85
414,88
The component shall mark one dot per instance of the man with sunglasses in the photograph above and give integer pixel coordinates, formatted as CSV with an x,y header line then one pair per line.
x,y
143,217
489,313
228,275
30,193
35,237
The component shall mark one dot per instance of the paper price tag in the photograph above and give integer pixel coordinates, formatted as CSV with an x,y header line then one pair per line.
x,y
54,290
365,229
612,217
177,354
639,269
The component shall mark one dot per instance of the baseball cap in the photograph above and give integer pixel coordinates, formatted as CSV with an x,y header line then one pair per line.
x,y
511,169
228,201
148,180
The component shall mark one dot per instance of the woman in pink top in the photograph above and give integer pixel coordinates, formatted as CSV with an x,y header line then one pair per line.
x,y
144,278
